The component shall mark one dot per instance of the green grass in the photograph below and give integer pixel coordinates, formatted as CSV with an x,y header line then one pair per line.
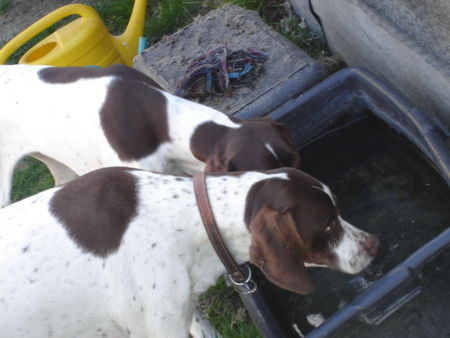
x,y
163,16
224,310
114,13
292,29
4,4
30,177
169,15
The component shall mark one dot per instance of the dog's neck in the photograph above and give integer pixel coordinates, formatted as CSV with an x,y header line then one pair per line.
x,y
168,210
228,195
194,130
187,238
207,138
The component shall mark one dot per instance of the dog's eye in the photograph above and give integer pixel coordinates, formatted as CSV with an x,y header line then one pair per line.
x,y
331,225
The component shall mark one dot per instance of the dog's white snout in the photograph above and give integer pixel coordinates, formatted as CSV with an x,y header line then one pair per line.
x,y
356,249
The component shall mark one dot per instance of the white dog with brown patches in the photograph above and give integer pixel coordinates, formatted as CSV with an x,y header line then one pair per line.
x,y
78,119
122,252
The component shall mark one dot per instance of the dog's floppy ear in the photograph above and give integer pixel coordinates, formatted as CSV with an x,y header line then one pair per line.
x,y
216,161
277,249
219,160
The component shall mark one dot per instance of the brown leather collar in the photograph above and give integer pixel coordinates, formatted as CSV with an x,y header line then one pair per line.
x,y
201,194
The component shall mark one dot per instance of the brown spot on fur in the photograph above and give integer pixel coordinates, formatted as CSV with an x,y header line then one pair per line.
x,y
61,75
96,208
134,113
134,119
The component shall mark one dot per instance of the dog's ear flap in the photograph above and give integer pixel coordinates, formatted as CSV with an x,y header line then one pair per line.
x,y
220,161
216,161
277,249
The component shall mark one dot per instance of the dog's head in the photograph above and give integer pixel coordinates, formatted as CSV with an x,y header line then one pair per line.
x,y
295,222
258,144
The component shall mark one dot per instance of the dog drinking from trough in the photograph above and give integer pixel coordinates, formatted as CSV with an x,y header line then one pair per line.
x,y
78,119
121,252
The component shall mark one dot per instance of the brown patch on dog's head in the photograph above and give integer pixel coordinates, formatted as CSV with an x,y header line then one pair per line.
x,y
259,144
96,208
290,221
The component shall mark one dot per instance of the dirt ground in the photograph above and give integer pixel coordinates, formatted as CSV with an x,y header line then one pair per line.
x,y
22,13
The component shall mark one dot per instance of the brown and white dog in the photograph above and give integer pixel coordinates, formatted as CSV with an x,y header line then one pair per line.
x,y
122,252
78,119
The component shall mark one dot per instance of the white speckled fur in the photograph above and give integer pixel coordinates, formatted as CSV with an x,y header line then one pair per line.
x,y
149,287
60,125
50,287
349,251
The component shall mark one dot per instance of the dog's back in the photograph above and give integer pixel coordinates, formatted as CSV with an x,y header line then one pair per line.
x,y
61,278
56,122
36,115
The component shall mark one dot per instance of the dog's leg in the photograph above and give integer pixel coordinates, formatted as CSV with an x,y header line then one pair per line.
x,y
11,151
60,172
7,163
202,328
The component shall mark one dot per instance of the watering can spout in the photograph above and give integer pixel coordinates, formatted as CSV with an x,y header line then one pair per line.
x,y
128,42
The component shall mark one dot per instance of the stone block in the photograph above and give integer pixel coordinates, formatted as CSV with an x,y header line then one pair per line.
x,y
288,70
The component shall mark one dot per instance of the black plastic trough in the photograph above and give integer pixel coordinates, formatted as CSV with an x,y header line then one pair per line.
x,y
389,165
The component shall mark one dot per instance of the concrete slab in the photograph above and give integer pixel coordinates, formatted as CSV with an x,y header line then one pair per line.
x,y
288,70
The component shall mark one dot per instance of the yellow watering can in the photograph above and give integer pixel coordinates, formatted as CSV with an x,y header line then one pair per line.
x,y
83,42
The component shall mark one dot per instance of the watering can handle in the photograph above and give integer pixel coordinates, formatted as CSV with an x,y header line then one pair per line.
x,y
42,24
